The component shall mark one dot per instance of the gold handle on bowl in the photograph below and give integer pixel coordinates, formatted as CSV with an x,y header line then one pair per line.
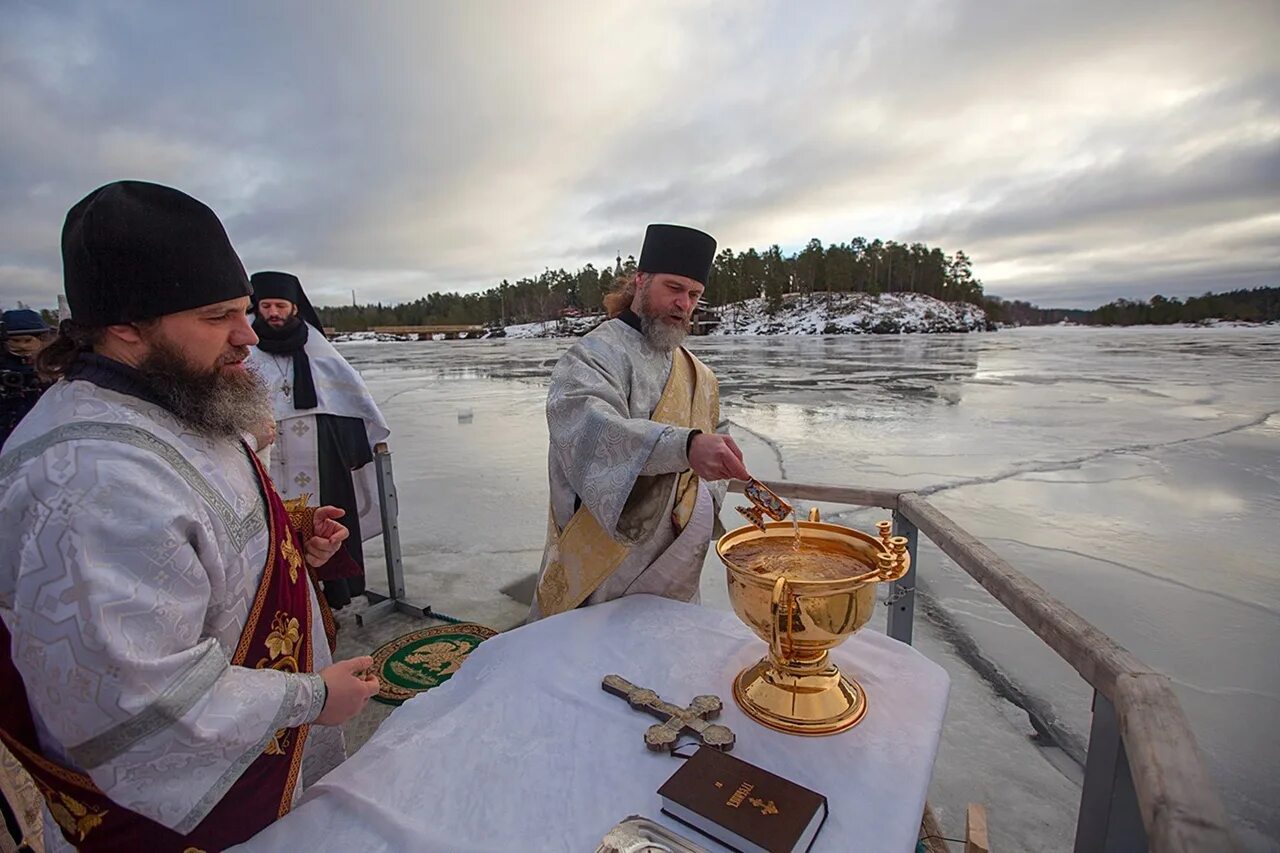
x,y
813,514
781,595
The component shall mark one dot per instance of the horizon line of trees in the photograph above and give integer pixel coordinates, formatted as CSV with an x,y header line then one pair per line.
x,y
1255,305
815,272
859,266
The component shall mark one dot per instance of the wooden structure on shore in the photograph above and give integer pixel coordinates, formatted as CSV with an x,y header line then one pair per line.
x,y
450,333
704,320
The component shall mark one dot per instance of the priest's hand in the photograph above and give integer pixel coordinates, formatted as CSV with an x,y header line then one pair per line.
x,y
328,538
349,686
264,433
714,456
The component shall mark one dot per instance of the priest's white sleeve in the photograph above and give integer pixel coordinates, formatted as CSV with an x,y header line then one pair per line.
x,y
670,455
120,572
601,447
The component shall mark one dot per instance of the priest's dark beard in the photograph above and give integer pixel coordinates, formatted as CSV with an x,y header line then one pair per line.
x,y
211,402
660,334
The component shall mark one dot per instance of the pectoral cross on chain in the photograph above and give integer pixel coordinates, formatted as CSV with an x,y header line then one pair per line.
x,y
663,736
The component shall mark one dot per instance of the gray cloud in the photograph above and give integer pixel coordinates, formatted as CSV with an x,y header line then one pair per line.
x,y
1078,152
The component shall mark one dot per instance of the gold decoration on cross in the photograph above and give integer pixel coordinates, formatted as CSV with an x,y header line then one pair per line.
x,y
765,502
663,736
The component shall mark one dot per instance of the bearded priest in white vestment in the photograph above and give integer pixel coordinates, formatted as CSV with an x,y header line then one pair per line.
x,y
165,669
327,423
637,468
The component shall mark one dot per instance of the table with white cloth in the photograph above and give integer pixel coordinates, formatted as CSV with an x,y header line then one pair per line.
x,y
523,751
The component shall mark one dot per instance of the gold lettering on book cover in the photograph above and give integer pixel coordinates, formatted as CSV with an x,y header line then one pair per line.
x,y
739,795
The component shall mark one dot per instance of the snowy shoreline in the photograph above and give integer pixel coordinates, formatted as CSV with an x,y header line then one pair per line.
x,y
816,314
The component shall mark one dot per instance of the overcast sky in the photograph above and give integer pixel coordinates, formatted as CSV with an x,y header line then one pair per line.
x,y
1078,152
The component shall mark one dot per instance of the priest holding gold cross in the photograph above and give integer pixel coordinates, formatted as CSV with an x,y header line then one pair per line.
x,y
638,460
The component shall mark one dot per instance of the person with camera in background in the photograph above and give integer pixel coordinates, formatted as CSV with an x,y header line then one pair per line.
x,y
24,334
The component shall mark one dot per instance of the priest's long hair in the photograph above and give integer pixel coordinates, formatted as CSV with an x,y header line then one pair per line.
x,y
53,362
623,294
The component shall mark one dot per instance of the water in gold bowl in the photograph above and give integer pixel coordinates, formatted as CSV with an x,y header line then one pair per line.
x,y
804,588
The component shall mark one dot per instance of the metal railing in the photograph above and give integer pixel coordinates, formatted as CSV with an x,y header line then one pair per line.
x,y
395,599
1145,784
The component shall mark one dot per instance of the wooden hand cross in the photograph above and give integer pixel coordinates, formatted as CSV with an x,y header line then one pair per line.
x,y
663,736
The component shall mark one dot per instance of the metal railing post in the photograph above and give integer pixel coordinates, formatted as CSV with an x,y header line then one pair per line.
x,y
1109,820
390,509
389,506
902,594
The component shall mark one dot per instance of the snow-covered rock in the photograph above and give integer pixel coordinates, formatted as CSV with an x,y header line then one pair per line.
x,y
850,313
570,327
818,314
350,337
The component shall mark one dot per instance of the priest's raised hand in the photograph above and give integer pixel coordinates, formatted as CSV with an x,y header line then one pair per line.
x,y
329,536
348,688
715,456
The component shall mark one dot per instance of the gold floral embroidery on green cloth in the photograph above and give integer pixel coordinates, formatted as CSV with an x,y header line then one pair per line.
x,y
421,660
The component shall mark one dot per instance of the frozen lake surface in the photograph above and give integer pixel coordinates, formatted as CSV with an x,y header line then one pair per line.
x,y
1134,473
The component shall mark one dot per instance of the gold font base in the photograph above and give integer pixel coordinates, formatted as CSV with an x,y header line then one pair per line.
x,y
820,702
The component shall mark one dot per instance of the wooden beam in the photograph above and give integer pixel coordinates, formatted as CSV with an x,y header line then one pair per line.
x,y
856,496
931,832
975,830
1098,658
1180,807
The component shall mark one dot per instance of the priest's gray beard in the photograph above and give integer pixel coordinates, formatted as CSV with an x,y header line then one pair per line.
x,y
211,402
660,334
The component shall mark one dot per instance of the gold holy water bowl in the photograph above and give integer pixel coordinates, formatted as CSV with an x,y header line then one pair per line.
x,y
804,602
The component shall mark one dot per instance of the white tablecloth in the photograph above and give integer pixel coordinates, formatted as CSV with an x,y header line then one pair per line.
x,y
522,751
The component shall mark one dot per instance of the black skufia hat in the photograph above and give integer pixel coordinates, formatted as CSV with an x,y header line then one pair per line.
x,y
270,284
133,250
677,250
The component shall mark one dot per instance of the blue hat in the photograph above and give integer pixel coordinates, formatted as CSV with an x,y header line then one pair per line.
x,y
24,321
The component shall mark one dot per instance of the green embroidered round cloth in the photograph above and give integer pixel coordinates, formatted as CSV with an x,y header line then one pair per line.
x,y
424,659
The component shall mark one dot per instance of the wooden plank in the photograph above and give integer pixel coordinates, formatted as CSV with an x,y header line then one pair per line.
x,y
975,829
1180,807
931,832
886,498
1097,657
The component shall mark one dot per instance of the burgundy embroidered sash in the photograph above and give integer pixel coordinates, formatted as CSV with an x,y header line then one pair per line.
x,y
277,635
